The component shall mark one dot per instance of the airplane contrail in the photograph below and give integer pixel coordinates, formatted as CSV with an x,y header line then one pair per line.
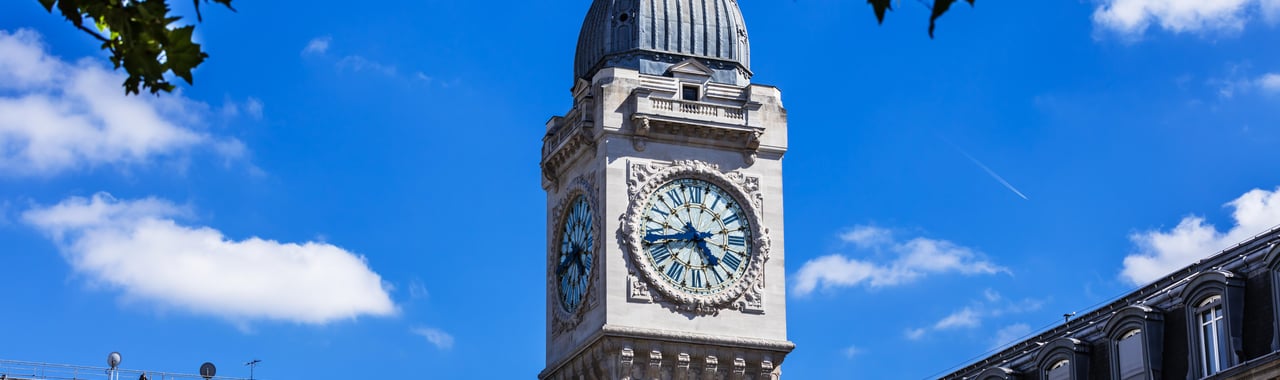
x,y
988,170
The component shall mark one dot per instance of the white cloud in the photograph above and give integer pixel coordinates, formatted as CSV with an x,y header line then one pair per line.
x,y
317,46
1010,334
867,236
417,290
963,318
1270,82
56,116
851,351
1131,18
915,259
992,305
138,248
1162,252
440,339
358,64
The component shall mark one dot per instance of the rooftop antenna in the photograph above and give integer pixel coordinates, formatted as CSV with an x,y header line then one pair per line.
x,y
252,364
113,361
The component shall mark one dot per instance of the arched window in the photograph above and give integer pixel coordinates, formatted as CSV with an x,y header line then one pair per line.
x,y
1136,336
1064,359
1214,303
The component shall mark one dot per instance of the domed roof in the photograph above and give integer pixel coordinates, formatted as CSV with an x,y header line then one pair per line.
x,y
641,33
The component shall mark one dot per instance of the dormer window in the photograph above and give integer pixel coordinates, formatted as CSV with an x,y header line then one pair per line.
x,y
691,92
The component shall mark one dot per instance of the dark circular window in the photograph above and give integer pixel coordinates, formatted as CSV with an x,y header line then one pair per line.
x,y
624,17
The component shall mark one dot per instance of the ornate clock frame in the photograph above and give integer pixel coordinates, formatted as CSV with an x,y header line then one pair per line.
x,y
747,295
584,185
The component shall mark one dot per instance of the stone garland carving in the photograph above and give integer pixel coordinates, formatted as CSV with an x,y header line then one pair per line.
x,y
747,294
585,185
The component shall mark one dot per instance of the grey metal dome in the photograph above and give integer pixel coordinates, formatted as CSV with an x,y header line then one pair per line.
x,y
650,35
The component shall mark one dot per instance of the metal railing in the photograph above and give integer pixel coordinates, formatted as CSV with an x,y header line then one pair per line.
x,y
20,370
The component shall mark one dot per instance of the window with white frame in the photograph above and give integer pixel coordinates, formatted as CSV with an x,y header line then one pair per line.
x,y
1209,317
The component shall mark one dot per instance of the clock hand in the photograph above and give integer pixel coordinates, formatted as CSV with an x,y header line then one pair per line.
x,y
698,238
706,252
687,235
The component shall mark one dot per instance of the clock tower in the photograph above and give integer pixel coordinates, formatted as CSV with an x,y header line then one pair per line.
x,y
664,201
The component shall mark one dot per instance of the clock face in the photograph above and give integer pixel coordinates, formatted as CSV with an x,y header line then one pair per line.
x,y
577,243
696,235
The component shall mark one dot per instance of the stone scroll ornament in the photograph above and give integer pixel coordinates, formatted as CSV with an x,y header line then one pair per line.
x,y
746,292
583,186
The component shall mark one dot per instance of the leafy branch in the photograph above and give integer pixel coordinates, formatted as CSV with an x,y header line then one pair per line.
x,y
140,36
939,7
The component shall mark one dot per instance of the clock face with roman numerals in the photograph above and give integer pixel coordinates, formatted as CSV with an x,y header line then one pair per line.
x,y
696,236
577,242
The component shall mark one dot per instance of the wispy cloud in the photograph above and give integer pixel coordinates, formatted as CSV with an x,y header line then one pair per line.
x,y
417,290
1161,252
992,305
1130,19
138,248
852,351
962,318
437,337
1269,82
317,46
57,116
1010,334
915,258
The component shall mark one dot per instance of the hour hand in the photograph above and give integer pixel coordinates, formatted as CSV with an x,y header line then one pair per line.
x,y
706,252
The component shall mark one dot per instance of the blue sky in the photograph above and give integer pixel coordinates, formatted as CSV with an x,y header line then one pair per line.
x,y
354,190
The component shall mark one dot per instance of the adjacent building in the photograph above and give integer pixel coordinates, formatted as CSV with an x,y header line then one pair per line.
x,y
1215,319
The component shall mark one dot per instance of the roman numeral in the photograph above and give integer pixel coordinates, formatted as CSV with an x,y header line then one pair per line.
x,y
732,261
738,240
731,218
716,273
676,271
660,253
677,197
655,209
696,278
716,202
695,196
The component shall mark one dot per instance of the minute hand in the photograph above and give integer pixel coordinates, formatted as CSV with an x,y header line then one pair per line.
x,y
687,235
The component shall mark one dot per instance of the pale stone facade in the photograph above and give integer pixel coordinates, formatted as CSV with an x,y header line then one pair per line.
x,y
630,129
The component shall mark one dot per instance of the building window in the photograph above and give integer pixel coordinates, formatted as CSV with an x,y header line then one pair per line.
x,y
1209,317
1064,359
1136,336
1131,355
1059,371
1215,308
691,92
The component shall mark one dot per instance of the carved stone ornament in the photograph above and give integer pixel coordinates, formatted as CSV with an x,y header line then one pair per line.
x,y
584,185
747,293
